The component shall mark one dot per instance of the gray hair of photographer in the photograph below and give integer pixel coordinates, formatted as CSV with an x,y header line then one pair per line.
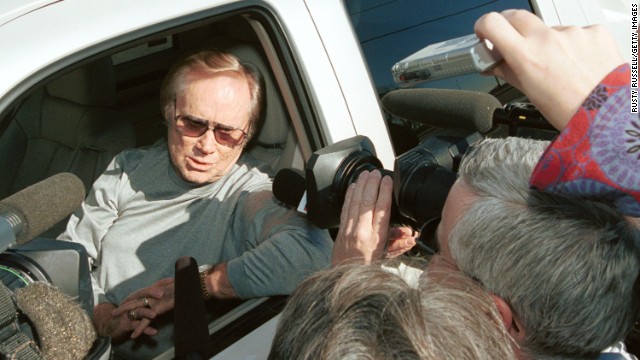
x,y
356,311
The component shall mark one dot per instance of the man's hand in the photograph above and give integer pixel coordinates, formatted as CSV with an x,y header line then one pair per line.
x,y
401,240
117,327
145,304
364,221
556,67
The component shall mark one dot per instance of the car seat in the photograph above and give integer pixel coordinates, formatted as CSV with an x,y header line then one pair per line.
x,y
68,125
275,142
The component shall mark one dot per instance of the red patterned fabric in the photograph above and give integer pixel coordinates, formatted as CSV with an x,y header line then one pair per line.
x,y
598,154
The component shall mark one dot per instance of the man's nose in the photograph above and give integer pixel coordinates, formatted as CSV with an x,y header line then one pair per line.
x,y
207,142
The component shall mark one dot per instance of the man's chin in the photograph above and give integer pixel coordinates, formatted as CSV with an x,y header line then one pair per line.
x,y
197,177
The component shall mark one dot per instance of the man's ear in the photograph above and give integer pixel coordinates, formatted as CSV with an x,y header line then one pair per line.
x,y
509,319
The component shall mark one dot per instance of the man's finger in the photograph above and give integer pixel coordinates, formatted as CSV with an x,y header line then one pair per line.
x,y
356,198
370,193
344,214
525,22
141,326
382,214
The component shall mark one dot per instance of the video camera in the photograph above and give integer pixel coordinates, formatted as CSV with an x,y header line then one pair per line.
x,y
46,296
422,176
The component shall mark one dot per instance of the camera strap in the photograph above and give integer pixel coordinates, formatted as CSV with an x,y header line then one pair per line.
x,y
14,344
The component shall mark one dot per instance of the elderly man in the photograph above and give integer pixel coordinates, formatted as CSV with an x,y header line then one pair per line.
x,y
194,194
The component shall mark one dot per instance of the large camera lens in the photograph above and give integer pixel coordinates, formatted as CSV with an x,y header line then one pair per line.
x,y
330,171
422,191
17,271
422,177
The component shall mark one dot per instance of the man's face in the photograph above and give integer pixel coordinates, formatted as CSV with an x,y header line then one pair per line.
x,y
458,201
221,99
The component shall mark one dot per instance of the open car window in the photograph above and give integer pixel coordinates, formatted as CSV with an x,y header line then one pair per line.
x,y
77,119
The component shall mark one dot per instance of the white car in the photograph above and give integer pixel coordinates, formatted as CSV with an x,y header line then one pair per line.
x,y
79,82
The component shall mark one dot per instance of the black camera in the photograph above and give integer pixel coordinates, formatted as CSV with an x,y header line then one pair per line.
x,y
422,177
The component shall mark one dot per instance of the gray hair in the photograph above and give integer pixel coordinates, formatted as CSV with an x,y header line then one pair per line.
x,y
356,311
211,63
566,266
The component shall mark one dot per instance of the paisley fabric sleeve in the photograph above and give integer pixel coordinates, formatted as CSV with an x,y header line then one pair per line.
x,y
598,154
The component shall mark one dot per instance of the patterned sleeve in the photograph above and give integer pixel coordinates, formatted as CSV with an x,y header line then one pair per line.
x,y
598,154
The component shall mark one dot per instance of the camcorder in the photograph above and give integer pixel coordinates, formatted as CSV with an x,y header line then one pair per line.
x,y
422,176
46,296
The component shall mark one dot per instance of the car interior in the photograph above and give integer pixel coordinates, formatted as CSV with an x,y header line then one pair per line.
x,y
80,118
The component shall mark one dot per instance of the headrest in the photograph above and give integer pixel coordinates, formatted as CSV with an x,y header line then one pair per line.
x,y
93,84
275,126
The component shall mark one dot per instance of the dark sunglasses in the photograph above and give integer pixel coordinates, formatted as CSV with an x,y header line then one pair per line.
x,y
192,126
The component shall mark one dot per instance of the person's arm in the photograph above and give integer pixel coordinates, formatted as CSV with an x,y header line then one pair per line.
x,y
88,226
577,78
597,154
555,67
282,248
217,283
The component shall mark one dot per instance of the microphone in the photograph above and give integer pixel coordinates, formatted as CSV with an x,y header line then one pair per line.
x,y
190,315
289,187
461,109
64,330
29,212
444,108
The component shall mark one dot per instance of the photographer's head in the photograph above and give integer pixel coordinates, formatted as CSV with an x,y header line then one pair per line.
x,y
363,311
562,270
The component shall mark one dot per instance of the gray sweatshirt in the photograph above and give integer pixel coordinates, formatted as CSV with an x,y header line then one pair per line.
x,y
140,217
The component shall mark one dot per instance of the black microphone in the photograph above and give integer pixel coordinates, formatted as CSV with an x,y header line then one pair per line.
x,y
29,212
289,187
190,315
444,108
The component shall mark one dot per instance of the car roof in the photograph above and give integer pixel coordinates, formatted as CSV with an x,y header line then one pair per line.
x,y
13,9
45,36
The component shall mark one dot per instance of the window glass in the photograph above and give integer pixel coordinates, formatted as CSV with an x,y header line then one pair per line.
x,y
391,30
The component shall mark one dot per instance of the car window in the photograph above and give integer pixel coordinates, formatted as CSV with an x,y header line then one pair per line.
x,y
124,113
391,30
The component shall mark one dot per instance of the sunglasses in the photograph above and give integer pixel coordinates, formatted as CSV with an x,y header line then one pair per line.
x,y
192,126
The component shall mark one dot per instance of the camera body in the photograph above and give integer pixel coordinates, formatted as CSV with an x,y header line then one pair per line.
x,y
459,56
60,263
422,177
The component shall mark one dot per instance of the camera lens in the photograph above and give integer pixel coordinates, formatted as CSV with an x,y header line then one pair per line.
x,y
350,169
423,191
18,271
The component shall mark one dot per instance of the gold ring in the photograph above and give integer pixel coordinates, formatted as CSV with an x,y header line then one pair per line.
x,y
131,314
145,303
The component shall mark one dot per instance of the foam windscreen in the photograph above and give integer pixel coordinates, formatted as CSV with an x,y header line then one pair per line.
x,y
42,205
444,108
